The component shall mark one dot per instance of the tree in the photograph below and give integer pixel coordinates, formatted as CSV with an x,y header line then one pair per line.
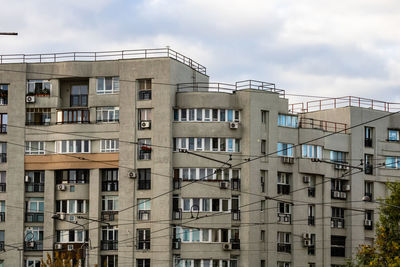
x,y
386,249
62,259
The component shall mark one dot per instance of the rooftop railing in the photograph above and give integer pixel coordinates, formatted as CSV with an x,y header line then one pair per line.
x,y
229,88
346,101
328,126
104,55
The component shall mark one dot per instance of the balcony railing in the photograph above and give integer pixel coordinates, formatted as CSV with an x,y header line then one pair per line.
x,y
109,186
144,154
33,245
327,126
283,247
109,215
235,215
144,215
34,217
337,222
338,195
235,184
368,169
177,214
368,142
34,187
235,243
311,191
284,189
2,216
109,244
338,251
99,56
3,187
176,243
284,218
177,183
311,220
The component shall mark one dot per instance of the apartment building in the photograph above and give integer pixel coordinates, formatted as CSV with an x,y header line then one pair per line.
x,y
134,158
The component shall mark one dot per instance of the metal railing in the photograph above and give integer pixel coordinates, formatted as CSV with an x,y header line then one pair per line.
x,y
283,247
109,244
229,88
3,187
345,101
103,55
34,187
34,217
328,126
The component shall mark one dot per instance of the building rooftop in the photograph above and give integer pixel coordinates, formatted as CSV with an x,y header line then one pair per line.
x,y
103,55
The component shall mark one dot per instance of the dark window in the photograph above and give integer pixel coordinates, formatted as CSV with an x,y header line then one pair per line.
x,y
338,245
109,261
72,176
3,94
143,262
38,116
3,152
109,180
144,179
144,89
34,181
215,204
368,131
79,96
143,239
263,144
215,114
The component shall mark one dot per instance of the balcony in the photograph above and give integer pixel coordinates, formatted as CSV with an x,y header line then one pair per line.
x,y
284,189
368,169
34,187
33,245
145,95
235,244
109,186
34,217
144,153
311,220
2,216
109,244
144,215
2,187
177,214
176,243
235,215
284,218
38,116
65,116
337,222
311,191
283,247
176,183
235,184
338,195
109,215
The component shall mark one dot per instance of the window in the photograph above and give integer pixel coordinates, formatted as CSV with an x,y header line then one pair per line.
x,y
109,237
3,176
262,205
262,235
144,118
337,220
2,210
369,190
264,116
109,145
72,206
73,116
79,96
338,245
369,219
79,176
107,114
34,209
284,243
285,150
337,156
287,121
34,148
393,135
73,146
263,146
109,203
71,236
109,261
3,152
204,115
143,239
144,147
32,262
368,131
35,181
392,162
262,180
144,89
311,214
3,122
311,246
284,213
39,87
34,233
207,144
107,85
144,208
283,264
3,94
311,151
369,167
283,183
109,179
38,116
144,181
143,262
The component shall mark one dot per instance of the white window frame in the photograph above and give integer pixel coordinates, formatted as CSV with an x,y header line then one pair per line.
x,y
112,114
73,143
38,201
33,82
144,203
114,85
109,145
285,150
40,151
311,151
285,120
113,199
393,135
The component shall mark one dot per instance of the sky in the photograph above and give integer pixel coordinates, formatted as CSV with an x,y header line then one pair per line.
x,y
310,47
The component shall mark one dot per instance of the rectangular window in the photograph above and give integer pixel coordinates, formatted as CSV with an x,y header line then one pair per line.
x,y
143,239
3,179
3,152
222,115
109,145
34,148
143,262
3,94
285,150
38,116
144,147
79,96
34,181
3,122
73,116
79,176
369,190
107,114
144,89
263,146
338,245
337,156
368,132
393,135
107,85
311,151
109,178
144,180
109,203
73,146
39,87
392,162
109,261
287,121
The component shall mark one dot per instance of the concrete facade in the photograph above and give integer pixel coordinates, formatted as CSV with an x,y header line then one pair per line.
x,y
212,162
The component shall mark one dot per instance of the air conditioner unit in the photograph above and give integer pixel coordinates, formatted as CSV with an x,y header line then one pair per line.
x,y
306,236
346,188
306,179
176,244
57,246
70,247
338,166
30,244
343,195
27,179
132,174
61,187
368,223
340,224
144,124
287,160
61,216
227,246
233,125
30,99
223,185
336,194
